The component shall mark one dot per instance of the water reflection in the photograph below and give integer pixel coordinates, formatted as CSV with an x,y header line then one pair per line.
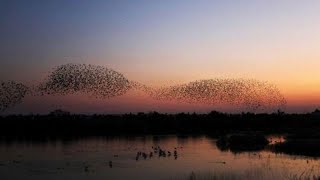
x,y
116,158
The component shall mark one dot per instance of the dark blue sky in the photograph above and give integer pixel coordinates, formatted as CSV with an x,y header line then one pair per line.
x,y
167,41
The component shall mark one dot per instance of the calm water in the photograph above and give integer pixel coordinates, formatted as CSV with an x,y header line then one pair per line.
x,y
89,159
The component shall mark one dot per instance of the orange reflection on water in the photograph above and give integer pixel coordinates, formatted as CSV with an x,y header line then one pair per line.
x,y
194,154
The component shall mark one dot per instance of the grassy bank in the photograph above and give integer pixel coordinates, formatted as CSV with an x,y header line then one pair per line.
x,y
263,172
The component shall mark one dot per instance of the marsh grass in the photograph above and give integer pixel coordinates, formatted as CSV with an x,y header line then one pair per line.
x,y
263,172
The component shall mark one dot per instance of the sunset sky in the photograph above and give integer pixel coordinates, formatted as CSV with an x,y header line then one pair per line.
x,y
163,43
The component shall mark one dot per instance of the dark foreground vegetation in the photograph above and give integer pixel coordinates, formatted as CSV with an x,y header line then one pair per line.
x,y
242,142
300,143
214,123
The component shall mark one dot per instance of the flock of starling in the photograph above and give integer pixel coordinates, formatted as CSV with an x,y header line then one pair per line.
x,y
101,82
253,95
96,81
11,93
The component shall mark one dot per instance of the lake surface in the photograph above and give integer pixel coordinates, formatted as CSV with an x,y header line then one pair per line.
x,y
89,158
